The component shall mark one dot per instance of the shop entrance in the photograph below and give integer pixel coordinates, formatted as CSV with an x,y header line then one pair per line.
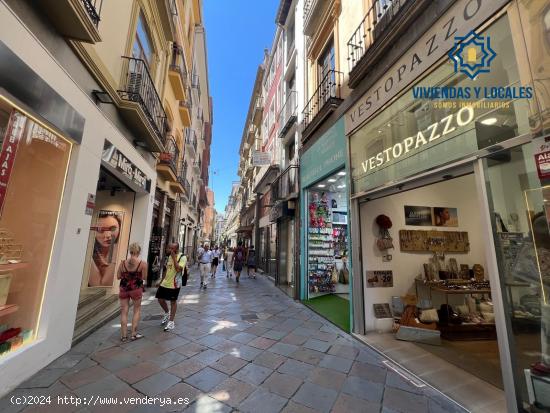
x,y
433,284
328,288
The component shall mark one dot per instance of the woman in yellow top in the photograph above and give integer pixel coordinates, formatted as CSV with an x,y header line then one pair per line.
x,y
170,284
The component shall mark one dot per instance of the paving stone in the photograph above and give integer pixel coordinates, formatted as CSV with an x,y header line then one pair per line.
x,y
316,397
67,361
157,383
369,372
102,356
208,356
190,349
243,338
105,386
317,345
347,352
232,392
253,374
308,356
270,360
295,339
207,404
44,378
172,343
346,403
262,343
293,407
296,368
284,385
85,376
138,372
369,356
404,402
229,364
245,352
327,378
363,389
328,337
211,340
55,391
186,368
121,362
206,379
336,363
274,334
256,330
283,349
263,401
168,359
177,391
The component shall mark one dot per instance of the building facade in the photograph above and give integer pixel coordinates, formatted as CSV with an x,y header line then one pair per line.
x,y
95,115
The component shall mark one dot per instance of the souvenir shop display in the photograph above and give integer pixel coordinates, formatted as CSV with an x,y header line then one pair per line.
x,y
384,241
10,251
434,241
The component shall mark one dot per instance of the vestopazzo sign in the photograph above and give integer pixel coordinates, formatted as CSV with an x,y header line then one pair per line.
x,y
464,16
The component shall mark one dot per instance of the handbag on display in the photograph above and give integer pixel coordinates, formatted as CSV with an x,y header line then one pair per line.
x,y
384,241
155,268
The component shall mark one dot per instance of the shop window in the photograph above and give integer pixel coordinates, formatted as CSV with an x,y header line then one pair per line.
x,y
33,164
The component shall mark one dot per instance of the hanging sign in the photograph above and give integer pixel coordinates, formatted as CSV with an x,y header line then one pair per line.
x,y
90,204
118,161
260,158
13,135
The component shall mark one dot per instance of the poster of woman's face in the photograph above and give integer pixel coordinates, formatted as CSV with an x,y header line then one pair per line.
x,y
445,217
107,232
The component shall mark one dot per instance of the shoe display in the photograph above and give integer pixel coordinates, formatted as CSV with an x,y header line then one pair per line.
x,y
165,318
170,326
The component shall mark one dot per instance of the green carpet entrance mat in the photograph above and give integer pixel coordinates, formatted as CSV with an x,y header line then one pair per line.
x,y
333,308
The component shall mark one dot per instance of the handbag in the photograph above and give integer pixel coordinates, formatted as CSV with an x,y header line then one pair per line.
x,y
384,241
155,268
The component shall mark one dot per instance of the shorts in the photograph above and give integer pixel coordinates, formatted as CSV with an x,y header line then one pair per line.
x,y
237,267
252,266
169,294
133,294
215,261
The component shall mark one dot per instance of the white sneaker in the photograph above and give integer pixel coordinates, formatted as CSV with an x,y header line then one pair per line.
x,y
169,326
165,318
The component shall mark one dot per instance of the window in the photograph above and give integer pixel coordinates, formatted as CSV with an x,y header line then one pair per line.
x,y
290,38
326,61
142,48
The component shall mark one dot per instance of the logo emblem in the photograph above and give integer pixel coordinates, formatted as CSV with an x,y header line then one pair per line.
x,y
472,54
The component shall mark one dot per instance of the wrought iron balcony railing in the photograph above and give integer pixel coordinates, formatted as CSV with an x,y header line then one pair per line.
x,y
93,7
378,17
139,87
191,140
286,184
171,156
288,113
177,63
327,92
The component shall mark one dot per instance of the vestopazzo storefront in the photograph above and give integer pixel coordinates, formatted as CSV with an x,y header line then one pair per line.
x,y
325,236
459,166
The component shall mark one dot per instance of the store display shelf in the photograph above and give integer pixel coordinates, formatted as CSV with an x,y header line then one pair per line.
x,y
8,309
340,223
13,267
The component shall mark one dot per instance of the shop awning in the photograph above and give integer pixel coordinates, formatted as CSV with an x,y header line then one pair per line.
x,y
245,228
265,182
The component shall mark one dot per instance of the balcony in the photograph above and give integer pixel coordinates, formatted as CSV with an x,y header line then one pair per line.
x,y
75,19
257,117
384,23
168,15
197,167
314,10
141,104
288,114
177,72
325,99
186,195
203,198
191,142
167,166
286,186
178,185
251,137
185,111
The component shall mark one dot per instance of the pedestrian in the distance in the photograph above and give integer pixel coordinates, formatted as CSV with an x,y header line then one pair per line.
x,y
170,284
205,263
228,263
131,273
238,260
215,260
251,262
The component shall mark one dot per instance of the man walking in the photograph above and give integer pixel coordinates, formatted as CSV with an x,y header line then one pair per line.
x,y
170,284
205,260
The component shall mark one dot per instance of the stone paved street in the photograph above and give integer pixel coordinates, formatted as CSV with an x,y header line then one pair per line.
x,y
245,347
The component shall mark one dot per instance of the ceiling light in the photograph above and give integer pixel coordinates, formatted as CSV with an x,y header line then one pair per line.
x,y
389,124
489,121
321,185
341,186
342,173
332,180
379,131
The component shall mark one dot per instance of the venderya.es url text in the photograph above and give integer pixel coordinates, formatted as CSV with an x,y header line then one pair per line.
x,y
98,400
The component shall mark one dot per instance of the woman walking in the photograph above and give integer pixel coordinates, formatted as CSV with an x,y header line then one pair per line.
x,y
238,260
251,262
131,273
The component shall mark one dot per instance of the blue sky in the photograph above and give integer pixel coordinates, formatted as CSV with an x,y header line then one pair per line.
x,y
237,32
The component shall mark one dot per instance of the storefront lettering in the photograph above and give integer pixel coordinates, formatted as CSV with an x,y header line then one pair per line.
x,y
9,150
433,132
117,160
461,18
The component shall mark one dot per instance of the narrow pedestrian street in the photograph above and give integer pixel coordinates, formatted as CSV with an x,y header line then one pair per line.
x,y
236,347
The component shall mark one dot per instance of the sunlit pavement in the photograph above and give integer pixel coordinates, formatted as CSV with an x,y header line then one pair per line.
x,y
245,347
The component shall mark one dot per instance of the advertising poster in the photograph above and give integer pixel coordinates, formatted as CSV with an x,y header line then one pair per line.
x,y
419,216
106,231
445,217
379,279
